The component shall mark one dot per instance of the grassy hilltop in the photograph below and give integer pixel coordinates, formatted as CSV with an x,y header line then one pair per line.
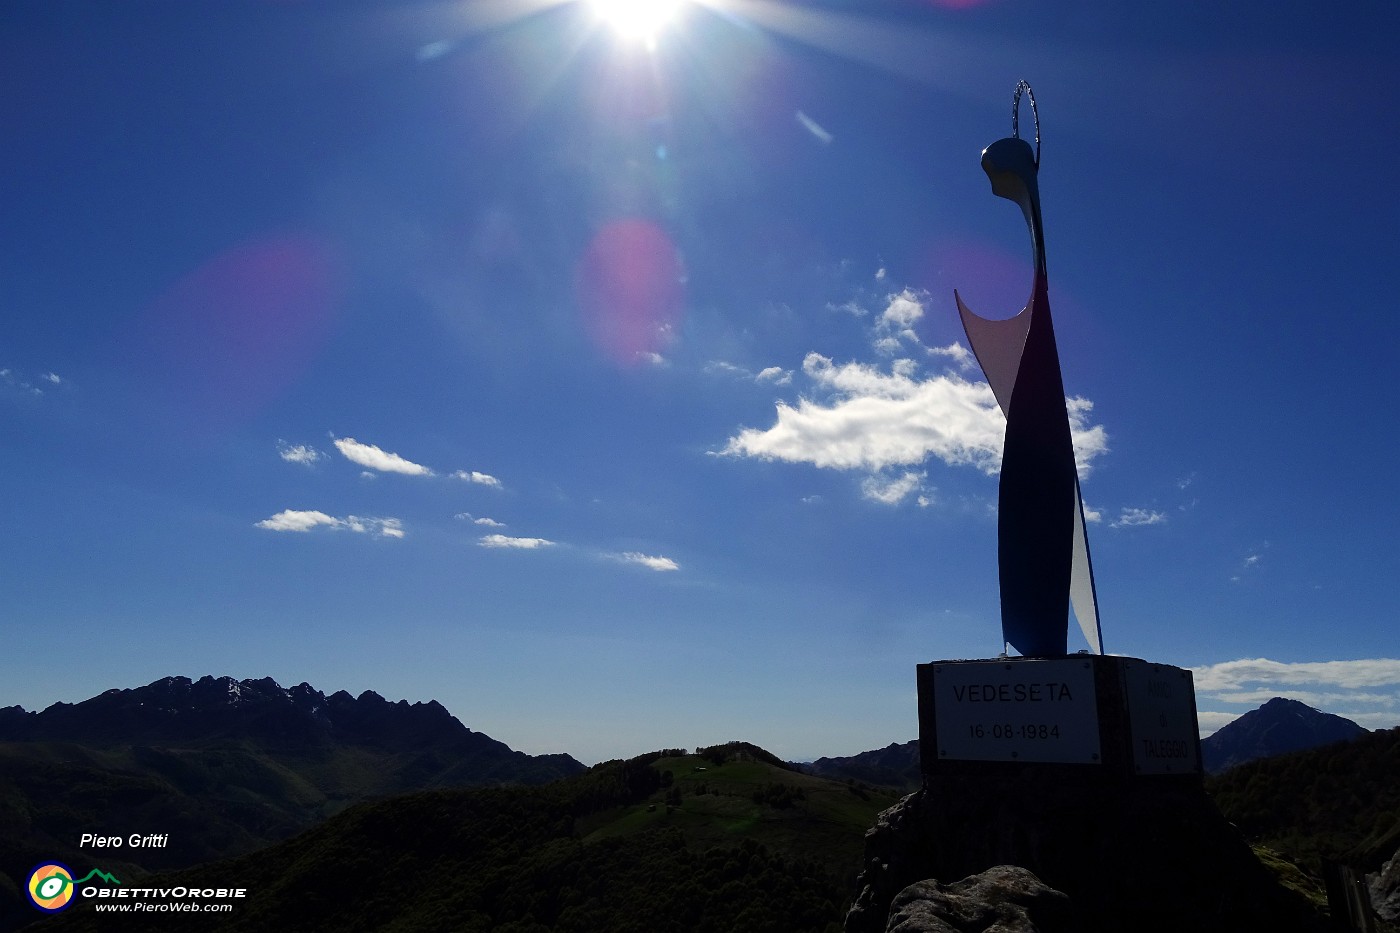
x,y
727,839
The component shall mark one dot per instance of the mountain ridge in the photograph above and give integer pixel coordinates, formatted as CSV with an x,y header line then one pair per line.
x,y
225,767
1278,727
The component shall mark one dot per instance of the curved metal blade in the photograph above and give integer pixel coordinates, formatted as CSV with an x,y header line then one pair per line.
x,y
998,346
1081,581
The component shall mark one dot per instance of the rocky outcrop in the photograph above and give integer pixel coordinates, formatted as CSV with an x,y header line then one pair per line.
x,y
1385,890
1003,899
1142,855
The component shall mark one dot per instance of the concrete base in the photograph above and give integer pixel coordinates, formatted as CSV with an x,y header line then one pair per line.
x,y
1120,717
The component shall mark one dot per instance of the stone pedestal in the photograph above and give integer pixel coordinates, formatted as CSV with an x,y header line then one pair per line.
x,y
1122,717
1086,771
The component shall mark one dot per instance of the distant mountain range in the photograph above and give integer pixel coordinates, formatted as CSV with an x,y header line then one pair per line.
x,y
894,766
214,710
1277,727
224,766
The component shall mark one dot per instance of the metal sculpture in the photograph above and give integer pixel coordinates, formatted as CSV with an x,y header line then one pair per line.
x,y
1042,547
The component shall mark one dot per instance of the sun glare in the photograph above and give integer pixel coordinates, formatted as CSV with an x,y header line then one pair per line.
x,y
636,20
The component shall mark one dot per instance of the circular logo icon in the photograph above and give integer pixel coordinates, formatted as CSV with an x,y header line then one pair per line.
x,y
51,887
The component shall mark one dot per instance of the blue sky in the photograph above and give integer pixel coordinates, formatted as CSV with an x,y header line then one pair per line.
x,y
605,384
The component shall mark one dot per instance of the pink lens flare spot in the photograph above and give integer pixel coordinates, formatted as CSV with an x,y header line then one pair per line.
x,y
238,330
630,286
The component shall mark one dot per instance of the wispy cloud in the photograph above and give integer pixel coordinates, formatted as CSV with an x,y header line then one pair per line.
x,y
480,479
851,307
432,50
304,521
503,541
8,377
1250,563
646,560
299,453
373,458
892,491
1129,518
724,368
815,128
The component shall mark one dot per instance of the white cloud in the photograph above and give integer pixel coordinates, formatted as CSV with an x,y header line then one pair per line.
x,y
654,563
52,377
1092,516
653,358
903,311
813,127
9,378
1317,698
1352,675
880,274
896,323
956,352
1089,440
1129,518
722,368
1250,563
776,375
502,541
1366,691
876,420
864,417
304,521
432,50
850,307
1213,722
293,520
481,479
483,521
370,456
892,491
299,453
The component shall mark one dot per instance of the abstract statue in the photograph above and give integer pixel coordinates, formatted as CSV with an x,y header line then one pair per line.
x,y
1042,549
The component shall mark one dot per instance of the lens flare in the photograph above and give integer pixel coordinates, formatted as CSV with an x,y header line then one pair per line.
x,y
241,328
630,290
637,20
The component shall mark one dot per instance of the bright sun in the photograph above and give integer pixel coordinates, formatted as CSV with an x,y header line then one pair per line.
x,y
638,20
